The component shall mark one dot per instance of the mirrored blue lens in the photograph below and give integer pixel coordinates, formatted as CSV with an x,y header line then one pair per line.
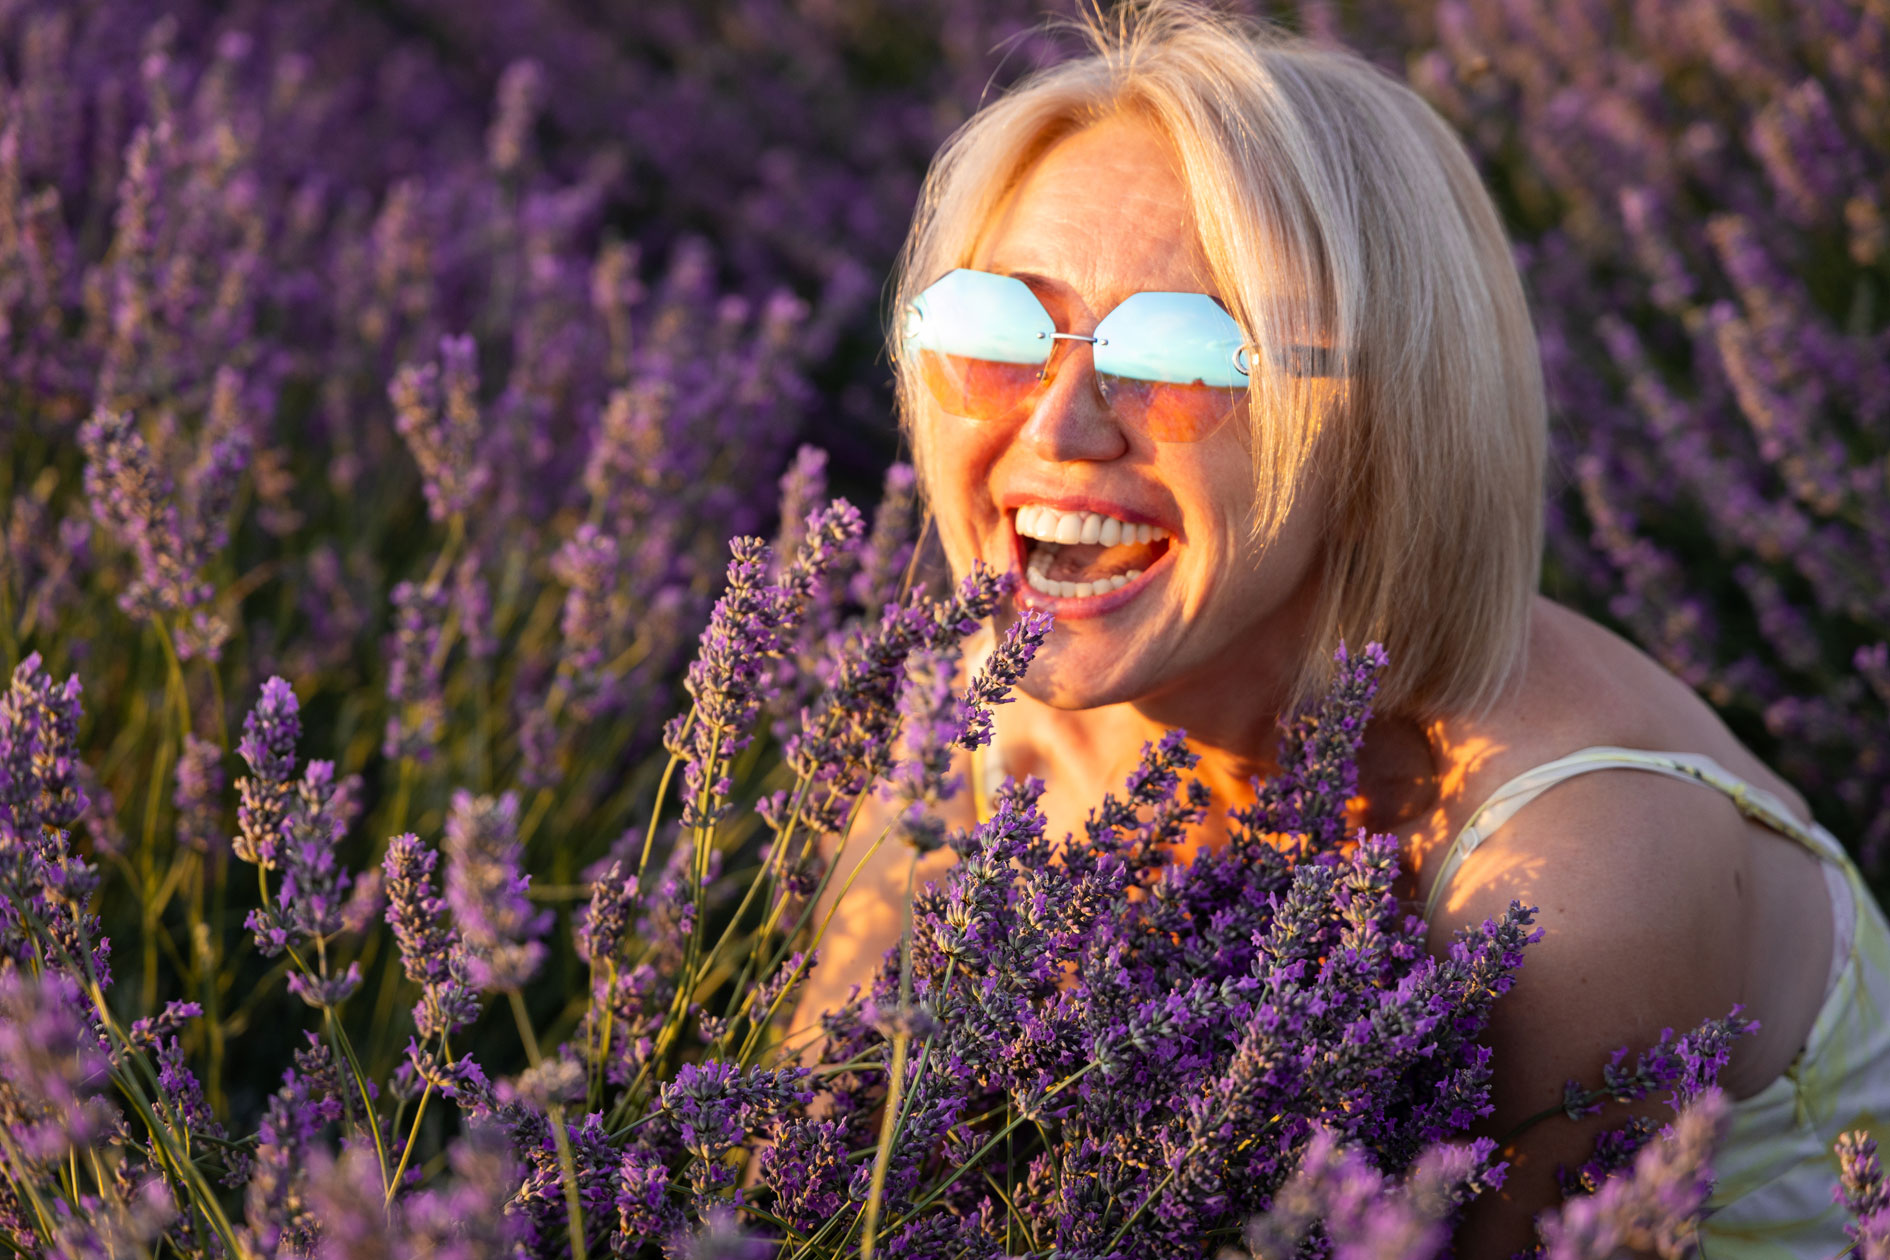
x,y
1178,338
977,315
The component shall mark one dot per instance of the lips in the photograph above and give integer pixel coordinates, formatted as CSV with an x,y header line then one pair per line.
x,y
1084,562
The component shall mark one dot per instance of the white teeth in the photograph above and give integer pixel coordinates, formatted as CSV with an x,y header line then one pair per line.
x,y
1041,581
1088,528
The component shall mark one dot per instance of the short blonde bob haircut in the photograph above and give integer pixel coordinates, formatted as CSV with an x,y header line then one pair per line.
x,y
1336,208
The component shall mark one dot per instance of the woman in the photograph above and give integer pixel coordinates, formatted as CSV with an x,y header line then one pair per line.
x,y
1214,338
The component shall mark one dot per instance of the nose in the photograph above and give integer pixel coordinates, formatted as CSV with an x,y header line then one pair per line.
x,y
1070,421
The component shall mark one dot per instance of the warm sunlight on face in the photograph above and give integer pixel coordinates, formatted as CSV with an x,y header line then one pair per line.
x,y
1102,216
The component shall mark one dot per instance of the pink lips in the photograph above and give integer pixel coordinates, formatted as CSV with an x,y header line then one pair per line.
x,y
1077,608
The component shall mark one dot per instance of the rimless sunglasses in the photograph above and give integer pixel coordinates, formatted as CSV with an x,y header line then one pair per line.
x,y
1174,365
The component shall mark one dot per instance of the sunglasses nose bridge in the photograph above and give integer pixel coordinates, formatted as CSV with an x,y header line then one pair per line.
x,y
1062,346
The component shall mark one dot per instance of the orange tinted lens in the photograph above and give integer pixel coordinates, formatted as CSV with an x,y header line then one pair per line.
x,y
977,389
1169,412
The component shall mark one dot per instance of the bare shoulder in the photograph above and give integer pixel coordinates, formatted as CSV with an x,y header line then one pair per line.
x,y
1635,940
1642,885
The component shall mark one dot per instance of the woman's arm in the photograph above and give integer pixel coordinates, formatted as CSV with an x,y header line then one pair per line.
x,y
1634,878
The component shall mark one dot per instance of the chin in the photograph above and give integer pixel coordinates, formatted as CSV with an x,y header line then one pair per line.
x,y
1064,678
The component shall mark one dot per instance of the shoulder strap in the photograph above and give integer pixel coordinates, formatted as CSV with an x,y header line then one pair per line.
x,y
1754,802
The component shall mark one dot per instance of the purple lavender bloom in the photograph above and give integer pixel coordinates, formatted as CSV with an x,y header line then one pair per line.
x,y
713,1108
277,1219
416,703
198,798
39,754
1862,1189
472,609
270,732
606,919
729,676
1361,1214
436,410
521,89
54,1068
1001,673
313,901
173,537
888,549
847,740
932,726
1658,1206
431,951
592,625
488,894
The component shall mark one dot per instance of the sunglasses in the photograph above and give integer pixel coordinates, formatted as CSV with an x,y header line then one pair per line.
x,y
1172,365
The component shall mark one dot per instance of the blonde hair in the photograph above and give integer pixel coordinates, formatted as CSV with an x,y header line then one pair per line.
x,y
1305,164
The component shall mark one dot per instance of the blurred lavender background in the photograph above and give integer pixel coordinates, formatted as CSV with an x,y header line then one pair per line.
x,y
452,341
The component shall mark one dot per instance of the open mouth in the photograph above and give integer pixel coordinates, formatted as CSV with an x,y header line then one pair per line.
x,y
1082,555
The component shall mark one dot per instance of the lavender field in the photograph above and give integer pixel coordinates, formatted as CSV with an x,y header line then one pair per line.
x,y
410,794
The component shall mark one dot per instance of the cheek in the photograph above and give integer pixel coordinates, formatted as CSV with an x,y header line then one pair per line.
x,y
957,460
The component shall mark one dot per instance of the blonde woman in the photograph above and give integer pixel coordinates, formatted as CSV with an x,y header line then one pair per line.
x,y
1214,337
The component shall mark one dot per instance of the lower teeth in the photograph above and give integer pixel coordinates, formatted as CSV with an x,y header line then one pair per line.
x,y
1040,581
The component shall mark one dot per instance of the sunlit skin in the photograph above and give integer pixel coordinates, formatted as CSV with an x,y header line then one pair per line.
x,y
1660,905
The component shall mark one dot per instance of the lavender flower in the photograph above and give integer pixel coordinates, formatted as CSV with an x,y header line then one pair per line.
x,y
431,951
200,783
416,706
136,500
488,894
888,549
748,626
443,432
589,565
39,757
55,1070
278,1215
1658,1207
270,733
1002,672
1862,1190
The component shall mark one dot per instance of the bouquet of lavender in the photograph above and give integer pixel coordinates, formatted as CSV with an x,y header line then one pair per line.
x,y
1083,1049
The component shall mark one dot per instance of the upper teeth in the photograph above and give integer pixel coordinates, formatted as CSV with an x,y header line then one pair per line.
x,y
1050,525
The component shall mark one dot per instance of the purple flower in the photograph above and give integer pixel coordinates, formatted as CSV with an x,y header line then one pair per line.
x,y
488,894
172,537
1655,1208
270,732
200,783
729,676
436,410
1862,1190
39,754
589,565
55,1069
416,703
1001,673
431,951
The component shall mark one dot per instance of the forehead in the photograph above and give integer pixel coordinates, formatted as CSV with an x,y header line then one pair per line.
x,y
1104,212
